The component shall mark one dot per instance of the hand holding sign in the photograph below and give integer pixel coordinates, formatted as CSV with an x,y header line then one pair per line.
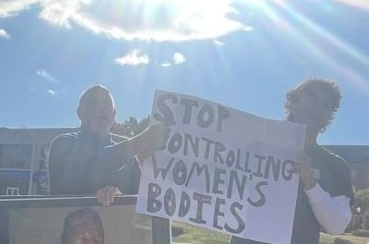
x,y
158,134
303,166
153,138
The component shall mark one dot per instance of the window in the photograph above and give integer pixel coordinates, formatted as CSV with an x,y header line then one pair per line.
x,y
15,156
12,191
43,158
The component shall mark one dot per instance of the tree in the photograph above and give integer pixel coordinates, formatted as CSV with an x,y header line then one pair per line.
x,y
361,206
131,126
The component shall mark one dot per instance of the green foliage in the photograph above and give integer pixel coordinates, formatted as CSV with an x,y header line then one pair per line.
x,y
361,200
131,127
196,235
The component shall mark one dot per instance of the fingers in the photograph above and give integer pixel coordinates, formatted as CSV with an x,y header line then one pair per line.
x,y
302,163
303,158
294,169
144,155
160,134
303,167
105,195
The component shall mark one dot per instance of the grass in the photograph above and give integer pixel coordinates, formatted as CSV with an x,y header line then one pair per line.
x,y
350,239
195,235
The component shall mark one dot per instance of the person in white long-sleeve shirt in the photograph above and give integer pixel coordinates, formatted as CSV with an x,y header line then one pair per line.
x,y
325,191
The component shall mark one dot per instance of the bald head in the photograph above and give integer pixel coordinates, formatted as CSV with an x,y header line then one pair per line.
x,y
90,95
96,110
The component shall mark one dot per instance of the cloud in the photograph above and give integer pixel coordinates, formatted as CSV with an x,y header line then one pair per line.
x,y
51,92
42,73
133,58
10,8
161,20
165,65
219,43
4,34
178,58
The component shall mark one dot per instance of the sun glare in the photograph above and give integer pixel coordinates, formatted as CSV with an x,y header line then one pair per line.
x,y
361,4
323,35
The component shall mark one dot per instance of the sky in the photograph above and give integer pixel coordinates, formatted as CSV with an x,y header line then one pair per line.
x,y
245,54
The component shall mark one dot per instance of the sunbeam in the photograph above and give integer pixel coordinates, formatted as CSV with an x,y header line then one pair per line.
x,y
351,75
360,4
309,38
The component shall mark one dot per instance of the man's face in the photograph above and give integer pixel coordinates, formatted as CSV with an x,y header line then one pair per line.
x,y
88,238
98,114
86,230
313,108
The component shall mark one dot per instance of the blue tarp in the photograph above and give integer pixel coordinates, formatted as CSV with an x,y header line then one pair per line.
x,y
38,176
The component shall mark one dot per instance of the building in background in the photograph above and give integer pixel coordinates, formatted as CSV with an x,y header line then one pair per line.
x,y
358,158
24,153
23,160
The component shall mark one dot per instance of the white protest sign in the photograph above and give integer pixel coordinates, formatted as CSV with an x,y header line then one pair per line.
x,y
222,169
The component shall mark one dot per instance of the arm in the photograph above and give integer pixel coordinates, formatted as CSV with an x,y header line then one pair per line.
x,y
333,213
153,138
59,156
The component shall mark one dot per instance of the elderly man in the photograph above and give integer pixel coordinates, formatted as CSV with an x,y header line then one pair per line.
x,y
92,161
